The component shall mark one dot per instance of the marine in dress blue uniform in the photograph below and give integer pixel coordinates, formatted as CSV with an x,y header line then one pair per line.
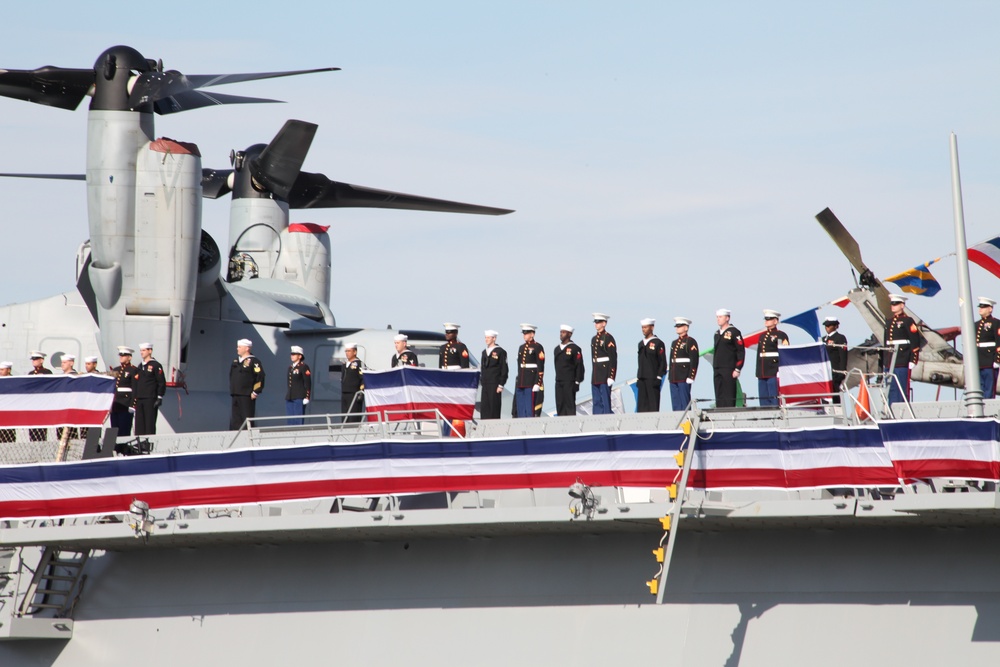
x,y
836,349
299,390
352,385
38,368
121,406
902,337
987,349
767,359
604,360
683,365
454,353
530,392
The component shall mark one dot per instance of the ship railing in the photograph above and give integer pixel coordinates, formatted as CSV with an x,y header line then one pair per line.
x,y
347,427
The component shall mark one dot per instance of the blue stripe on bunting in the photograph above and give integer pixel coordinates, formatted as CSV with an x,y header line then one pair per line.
x,y
981,430
792,440
421,377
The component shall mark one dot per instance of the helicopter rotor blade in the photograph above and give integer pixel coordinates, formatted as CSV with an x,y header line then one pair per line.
x,y
852,251
278,167
59,87
156,86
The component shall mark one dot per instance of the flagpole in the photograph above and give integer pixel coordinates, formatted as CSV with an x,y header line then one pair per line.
x,y
973,389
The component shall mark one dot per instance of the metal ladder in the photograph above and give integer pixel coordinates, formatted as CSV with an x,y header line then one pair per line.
x,y
57,583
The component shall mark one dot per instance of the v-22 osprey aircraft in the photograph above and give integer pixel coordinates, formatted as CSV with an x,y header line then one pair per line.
x,y
150,273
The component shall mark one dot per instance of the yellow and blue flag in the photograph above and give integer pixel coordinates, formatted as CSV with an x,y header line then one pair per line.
x,y
917,280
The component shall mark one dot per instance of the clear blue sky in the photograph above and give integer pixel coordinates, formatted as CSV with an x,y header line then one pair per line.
x,y
664,158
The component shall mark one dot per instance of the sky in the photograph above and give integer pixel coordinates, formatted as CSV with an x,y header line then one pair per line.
x,y
664,158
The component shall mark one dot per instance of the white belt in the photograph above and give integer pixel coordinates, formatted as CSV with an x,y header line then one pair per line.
x,y
124,390
529,365
682,360
452,366
769,354
898,342
986,344
600,360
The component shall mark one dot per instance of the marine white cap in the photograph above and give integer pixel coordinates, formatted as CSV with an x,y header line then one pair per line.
x,y
451,326
241,341
35,354
682,322
349,345
831,320
983,301
601,317
401,337
566,327
149,346
528,327
897,298
124,349
723,311
69,357
90,360
6,364
491,332
648,322
298,350
771,314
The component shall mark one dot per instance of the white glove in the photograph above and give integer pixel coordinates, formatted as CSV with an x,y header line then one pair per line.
x,y
659,377
536,388
690,380
131,410
305,401
912,365
610,382
577,385
996,365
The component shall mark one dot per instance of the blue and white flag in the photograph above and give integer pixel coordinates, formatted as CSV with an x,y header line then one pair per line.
x,y
803,372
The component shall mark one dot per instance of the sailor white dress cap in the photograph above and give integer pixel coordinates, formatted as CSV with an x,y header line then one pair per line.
x,y
69,357
35,354
6,364
491,332
451,326
601,317
298,350
124,349
983,301
242,341
401,337
90,360
528,327
647,322
723,311
566,327
349,345
682,322
149,346
771,314
897,298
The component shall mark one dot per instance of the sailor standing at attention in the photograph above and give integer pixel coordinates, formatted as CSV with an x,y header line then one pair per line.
x,y
67,364
121,406
404,356
568,362
767,359
988,352
652,368
836,349
453,354
246,382
683,365
352,385
299,387
149,387
38,368
493,369
903,338
728,359
604,356
530,392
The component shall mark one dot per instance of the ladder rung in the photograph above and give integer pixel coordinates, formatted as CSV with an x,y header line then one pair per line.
x,y
52,591
59,577
66,563
46,605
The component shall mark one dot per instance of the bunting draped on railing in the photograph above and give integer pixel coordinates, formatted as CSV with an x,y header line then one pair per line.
x,y
882,455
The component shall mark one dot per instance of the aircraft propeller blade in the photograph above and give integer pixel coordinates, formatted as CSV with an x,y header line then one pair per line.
x,y
318,191
59,87
280,163
156,86
196,99
852,251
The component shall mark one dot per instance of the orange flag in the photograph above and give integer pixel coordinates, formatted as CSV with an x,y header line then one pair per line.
x,y
863,408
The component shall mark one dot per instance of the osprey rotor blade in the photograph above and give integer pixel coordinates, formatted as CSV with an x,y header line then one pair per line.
x,y
53,177
215,183
58,87
155,86
197,99
280,164
318,191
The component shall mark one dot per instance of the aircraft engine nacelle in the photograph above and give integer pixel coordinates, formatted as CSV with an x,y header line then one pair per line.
x,y
305,259
255,229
